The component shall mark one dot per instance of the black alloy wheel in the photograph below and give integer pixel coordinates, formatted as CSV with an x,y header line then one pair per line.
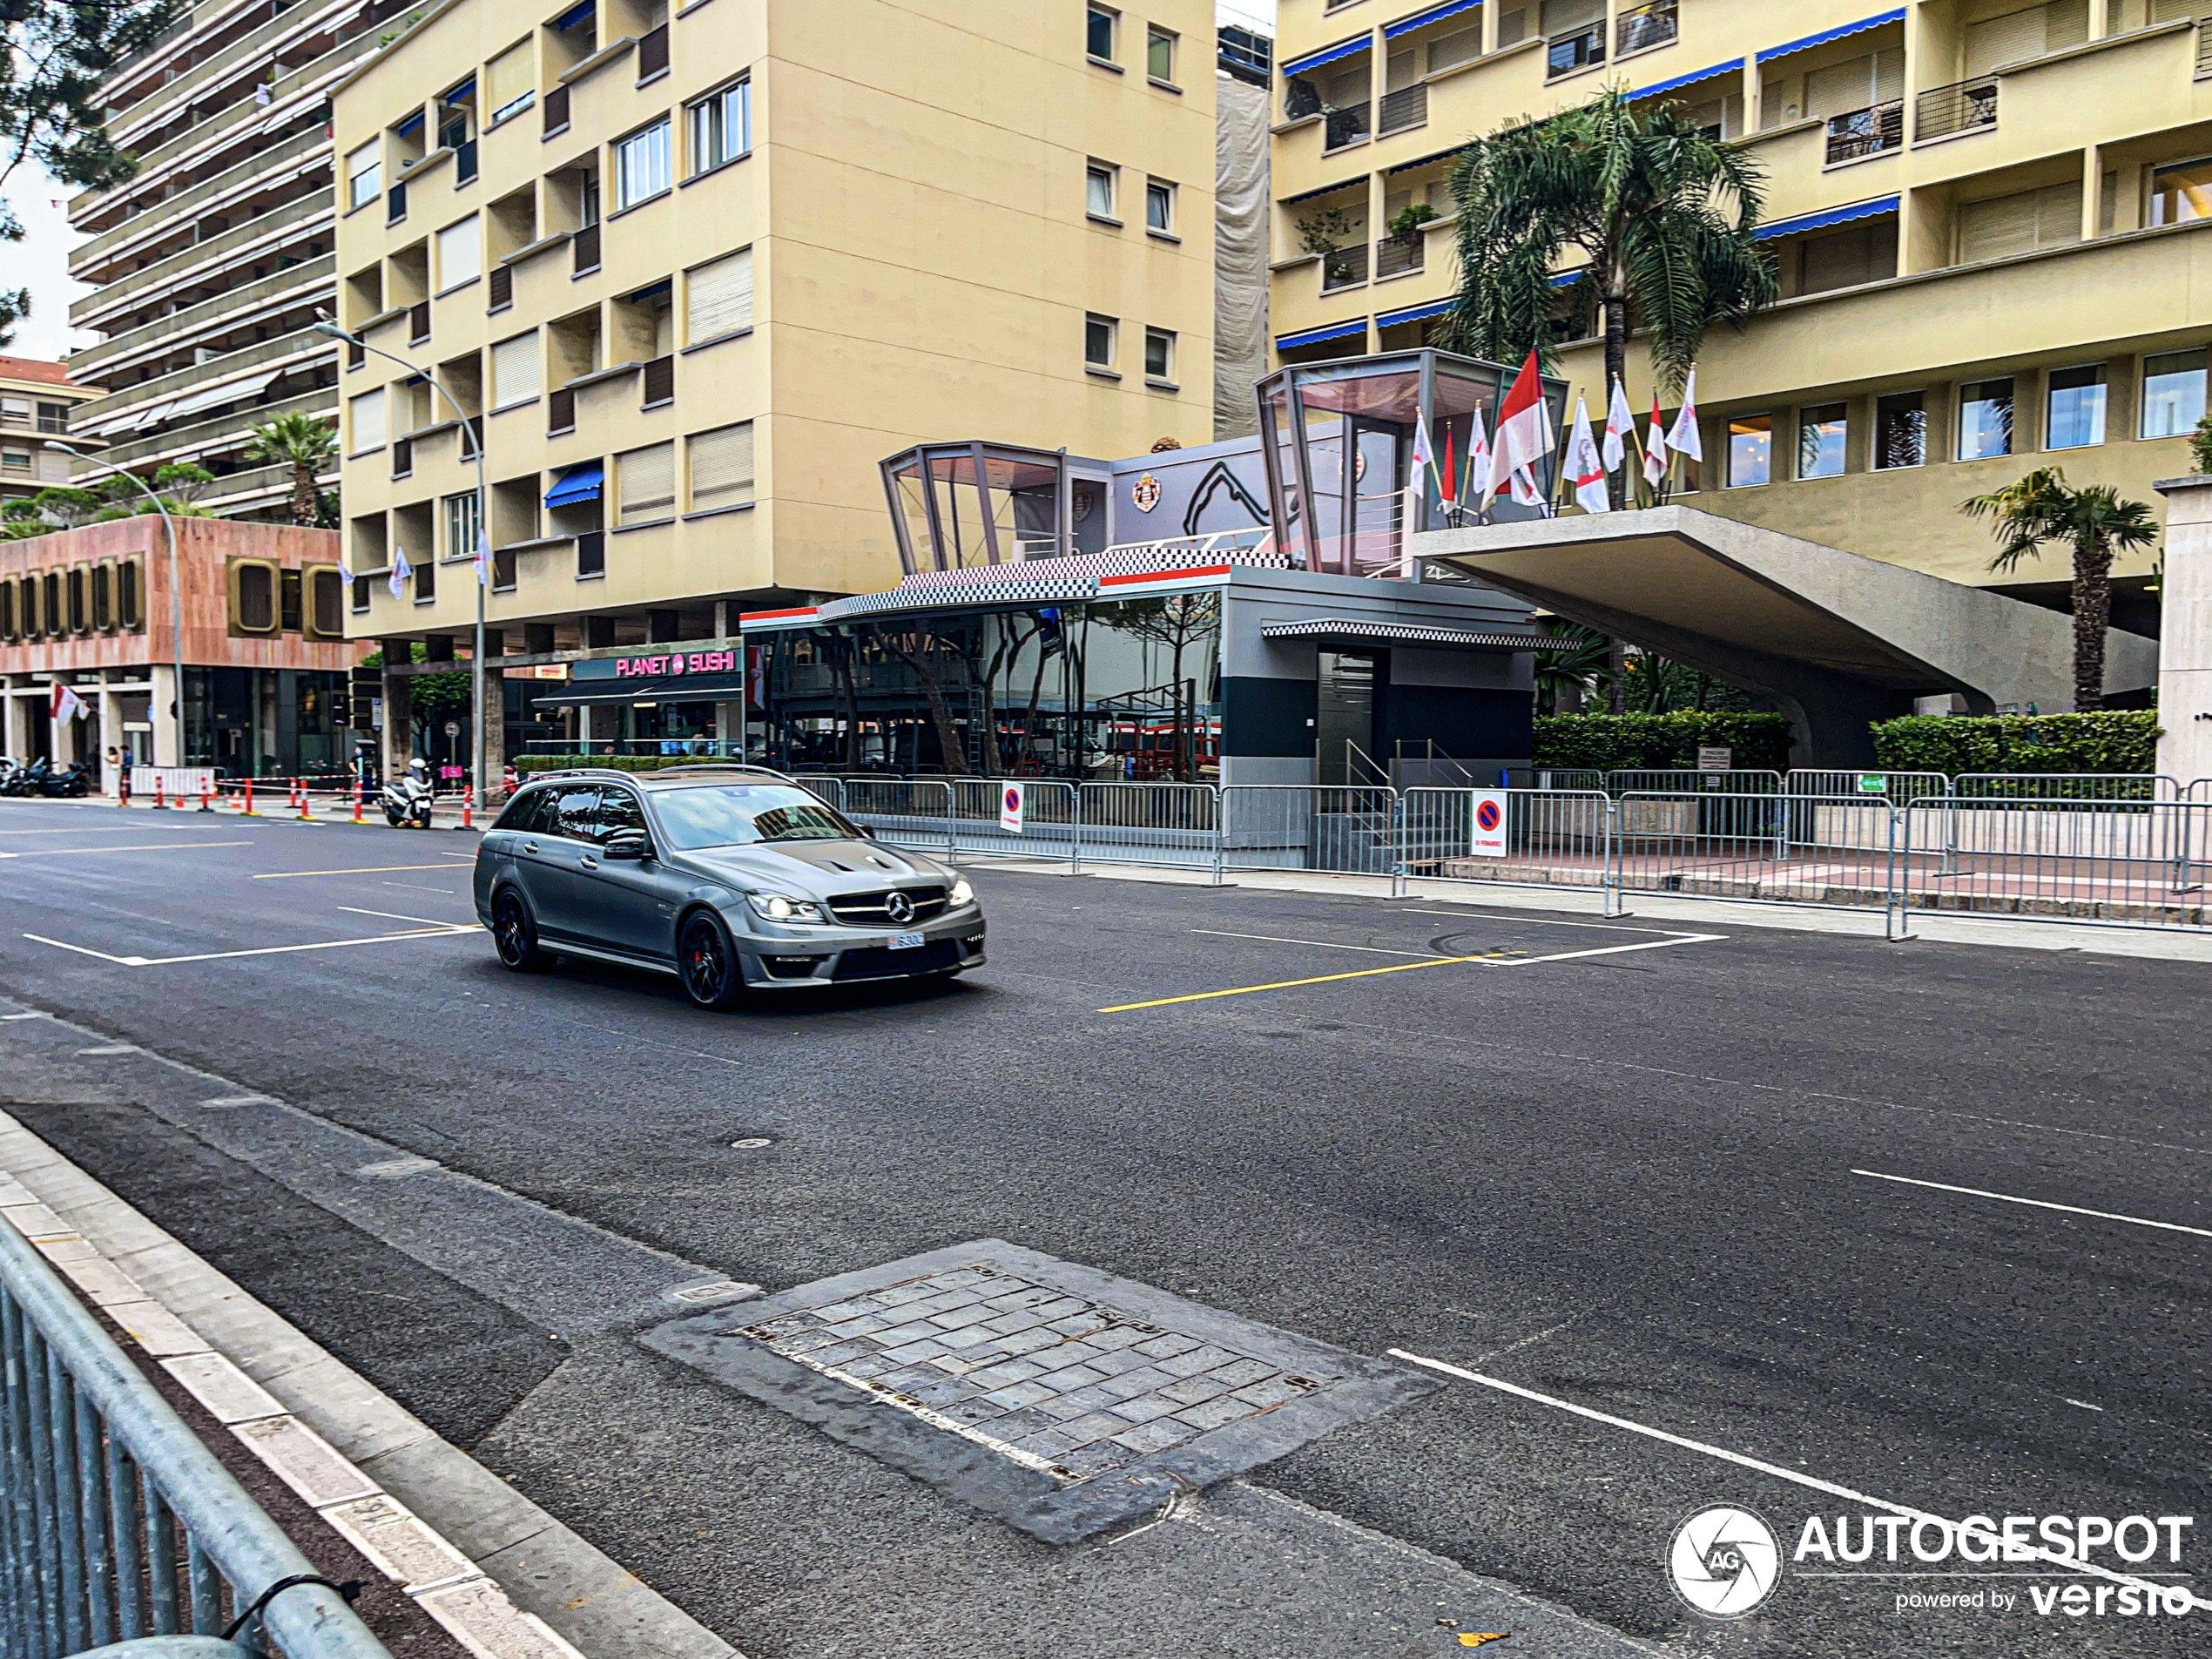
x,y
708,962
516,934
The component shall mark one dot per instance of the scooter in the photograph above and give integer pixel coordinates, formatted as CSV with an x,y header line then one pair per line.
x,y
72,781
406,799
28,780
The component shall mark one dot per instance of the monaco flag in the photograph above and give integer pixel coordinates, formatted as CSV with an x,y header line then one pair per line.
x,y
1524,439
401,570
1683,440
1586,465
1620,426
1655,449
67,705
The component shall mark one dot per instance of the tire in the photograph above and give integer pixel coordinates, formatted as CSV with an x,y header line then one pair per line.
x,y
707,962
391,818
514,934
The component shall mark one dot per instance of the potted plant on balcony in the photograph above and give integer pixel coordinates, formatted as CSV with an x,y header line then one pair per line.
x,y
1325,232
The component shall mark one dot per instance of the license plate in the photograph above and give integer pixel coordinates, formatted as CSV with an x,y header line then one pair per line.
x,y
906,942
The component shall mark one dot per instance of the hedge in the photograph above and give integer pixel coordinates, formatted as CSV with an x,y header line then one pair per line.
x,y
1660,742
2123,741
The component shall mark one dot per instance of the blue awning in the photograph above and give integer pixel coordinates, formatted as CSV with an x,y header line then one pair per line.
x,y
1568,278
1328,55
413,124
574,15
1412,314
1827,35
579,484
1734,66
1422,19
1315,336
454,95
1873,209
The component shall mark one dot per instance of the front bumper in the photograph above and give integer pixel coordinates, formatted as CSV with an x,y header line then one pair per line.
x,y
819,956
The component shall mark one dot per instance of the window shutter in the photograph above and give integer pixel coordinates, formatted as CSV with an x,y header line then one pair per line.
x,y
2022,35
461,253
720,296
721,466
1889,75
515,370
368,421
646,482
2058,215
2020,224
508,79
1840,88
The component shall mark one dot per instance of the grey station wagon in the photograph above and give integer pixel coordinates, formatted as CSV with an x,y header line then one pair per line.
x,y
731,878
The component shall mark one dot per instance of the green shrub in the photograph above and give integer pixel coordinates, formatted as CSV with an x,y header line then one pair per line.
x,y
2120,741
1660,742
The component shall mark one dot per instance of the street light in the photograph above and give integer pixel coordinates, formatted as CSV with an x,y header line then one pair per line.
x,y
330,330
176,586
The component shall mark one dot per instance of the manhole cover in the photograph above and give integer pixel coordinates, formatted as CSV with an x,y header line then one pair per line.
x,y
1056,1397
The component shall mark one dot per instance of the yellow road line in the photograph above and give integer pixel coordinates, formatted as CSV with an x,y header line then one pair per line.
x,y
1318,979
372,869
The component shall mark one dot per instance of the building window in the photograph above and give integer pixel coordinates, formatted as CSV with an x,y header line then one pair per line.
x,y
461,524
510,83
1751,450
53,417
718,297
364,177
326,602
288,600
461,255
2076,418
15,411
1098,33
2173,393
1098,187
2181,193
721,127
129,586
1821,431
721,466
1159,207
1901,430
14,460
517,372
641,166
365,414
1159,354
1098,341
426,581
1159,54
645,483
255,596
1984,420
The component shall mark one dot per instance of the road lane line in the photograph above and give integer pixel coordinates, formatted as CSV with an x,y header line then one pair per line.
x,y
143,847
2036,1203
373,869
1318,944
2071,1563
393,916
1534,921
1494,959
442,930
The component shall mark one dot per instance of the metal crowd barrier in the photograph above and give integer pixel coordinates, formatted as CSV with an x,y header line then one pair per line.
x,y
116,1523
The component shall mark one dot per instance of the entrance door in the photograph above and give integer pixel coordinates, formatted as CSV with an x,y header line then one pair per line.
x,y
1345,720
1375,499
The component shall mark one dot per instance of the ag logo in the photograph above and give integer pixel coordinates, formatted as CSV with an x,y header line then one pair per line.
x,y
1145,493
1724,1561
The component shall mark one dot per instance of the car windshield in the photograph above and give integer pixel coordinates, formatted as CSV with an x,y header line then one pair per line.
x,y
739,814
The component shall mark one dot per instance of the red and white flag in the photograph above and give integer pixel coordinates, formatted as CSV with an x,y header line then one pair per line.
x,y
1585,464
67,705
1619,426
1524,439
1683,440
1655,449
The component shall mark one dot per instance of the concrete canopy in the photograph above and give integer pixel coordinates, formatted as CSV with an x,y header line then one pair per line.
x,y
1837,640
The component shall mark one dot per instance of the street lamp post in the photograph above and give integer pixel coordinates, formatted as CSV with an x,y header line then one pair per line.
x,y
176,586
476,683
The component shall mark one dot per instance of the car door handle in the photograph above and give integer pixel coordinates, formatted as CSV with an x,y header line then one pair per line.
x,y
530,846
588,862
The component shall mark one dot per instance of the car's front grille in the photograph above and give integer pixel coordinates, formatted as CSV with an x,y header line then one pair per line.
x,y
933,958
866,909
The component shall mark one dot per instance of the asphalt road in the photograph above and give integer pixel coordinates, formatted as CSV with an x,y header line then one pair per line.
x,y
1670,1185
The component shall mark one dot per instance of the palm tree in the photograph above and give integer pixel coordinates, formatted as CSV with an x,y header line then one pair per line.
x,y
1662,214
1570,670
2042,507
299,440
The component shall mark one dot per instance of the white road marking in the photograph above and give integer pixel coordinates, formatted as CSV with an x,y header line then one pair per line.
x,y
143,847
442,930
1610,950
1534,922
2083,1404
388,915
2071,1563
372,869
111,1048
416,886
2036,1203
1318,944
26,1016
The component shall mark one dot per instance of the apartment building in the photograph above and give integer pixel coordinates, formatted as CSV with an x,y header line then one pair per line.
x,y
1984,215
691,276
211,263
37,401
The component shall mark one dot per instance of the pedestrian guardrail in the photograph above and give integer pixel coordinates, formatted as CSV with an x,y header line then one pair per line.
x,y
116,1523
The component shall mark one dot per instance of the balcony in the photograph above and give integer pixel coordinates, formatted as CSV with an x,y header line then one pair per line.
x,y
1346,127
1404,109
1866,132
1640,28
1400,255
1564,54
1343,267
1960,107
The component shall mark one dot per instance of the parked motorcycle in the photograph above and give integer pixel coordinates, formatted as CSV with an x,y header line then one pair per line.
x,y
73,780
28,780
406,799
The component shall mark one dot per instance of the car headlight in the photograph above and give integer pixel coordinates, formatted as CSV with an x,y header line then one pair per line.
x,y
777,907
961,893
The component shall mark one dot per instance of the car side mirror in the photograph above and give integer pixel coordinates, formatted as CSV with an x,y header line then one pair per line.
x,y
628,844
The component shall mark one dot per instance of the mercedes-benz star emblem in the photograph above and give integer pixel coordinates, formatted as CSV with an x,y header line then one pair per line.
x,y
899,907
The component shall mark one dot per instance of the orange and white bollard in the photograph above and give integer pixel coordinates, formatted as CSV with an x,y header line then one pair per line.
x,y
468,808
207,798
247,810
357,801
303,805
159,805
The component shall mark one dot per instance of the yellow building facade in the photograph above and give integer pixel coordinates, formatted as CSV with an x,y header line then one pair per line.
x,y
1984,218
691,275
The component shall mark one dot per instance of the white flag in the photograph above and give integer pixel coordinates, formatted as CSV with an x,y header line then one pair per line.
x,y
67,705
1586,466
483,559
1655,449
1683,440
1478,472
401,570
1619,426
1418,466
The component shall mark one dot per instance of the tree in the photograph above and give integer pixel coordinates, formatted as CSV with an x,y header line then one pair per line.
x,y
1568,671
2041,507
1662,214
301,441
52,58
1178,621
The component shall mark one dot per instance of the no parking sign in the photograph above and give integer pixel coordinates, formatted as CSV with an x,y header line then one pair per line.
x,y
1010,809
1487,824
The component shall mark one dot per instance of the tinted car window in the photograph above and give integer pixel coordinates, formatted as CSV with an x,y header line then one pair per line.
x,y
618,810
575,814
739,815
529,814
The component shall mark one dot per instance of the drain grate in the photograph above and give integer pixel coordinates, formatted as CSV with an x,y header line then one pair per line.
x,y
1055,1396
